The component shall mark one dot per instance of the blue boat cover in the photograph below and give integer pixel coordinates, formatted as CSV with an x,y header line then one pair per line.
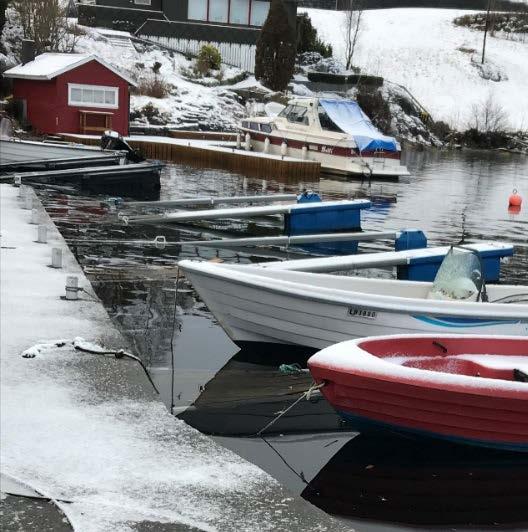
x,y
349,116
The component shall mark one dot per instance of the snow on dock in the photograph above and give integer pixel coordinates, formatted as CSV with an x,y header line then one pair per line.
x,y
90,429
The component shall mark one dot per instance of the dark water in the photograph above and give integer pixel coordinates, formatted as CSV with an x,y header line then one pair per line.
x,y
380,482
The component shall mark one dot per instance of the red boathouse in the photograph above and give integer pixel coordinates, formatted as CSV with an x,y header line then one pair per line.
x,y
71,93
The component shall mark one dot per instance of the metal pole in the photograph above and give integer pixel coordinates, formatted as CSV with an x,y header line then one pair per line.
x,y
261,198
161,243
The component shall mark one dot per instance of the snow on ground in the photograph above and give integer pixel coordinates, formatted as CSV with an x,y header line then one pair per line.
x,y
421,49
89,429
188,104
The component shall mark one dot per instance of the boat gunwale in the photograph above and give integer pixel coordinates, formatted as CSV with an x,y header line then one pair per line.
x,y
381,303
385,371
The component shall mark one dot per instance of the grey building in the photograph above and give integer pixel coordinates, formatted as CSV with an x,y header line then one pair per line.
x,y
185,25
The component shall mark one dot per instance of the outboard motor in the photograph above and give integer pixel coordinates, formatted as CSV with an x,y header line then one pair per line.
x,y
112,140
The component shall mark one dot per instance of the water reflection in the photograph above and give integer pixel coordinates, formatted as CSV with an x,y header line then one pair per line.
x,y
388,478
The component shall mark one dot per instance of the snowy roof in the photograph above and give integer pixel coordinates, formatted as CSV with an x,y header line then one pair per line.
x,y
50,65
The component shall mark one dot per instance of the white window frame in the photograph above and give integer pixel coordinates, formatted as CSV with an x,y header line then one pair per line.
x,y
73,103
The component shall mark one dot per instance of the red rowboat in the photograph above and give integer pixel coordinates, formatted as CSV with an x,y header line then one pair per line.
x,y
467,389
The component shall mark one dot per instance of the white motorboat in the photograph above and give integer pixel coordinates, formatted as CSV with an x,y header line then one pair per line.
x,y
268,305
336,133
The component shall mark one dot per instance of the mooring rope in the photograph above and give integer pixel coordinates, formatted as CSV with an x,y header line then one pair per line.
x,y
121,353
305,395
172,336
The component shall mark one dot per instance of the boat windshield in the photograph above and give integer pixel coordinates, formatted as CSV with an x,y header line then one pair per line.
x,y
459,276
296,114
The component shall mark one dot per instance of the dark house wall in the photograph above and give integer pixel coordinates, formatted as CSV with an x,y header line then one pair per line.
x,y
169,21
175,9
116,18
155,5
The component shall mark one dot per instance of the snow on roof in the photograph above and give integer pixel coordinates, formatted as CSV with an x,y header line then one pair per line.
x,y
50,65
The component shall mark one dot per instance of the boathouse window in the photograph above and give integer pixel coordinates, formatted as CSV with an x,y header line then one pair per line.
x,y
243,12
326,122
93,96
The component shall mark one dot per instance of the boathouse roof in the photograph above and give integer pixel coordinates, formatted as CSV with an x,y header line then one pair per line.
x,y
48,66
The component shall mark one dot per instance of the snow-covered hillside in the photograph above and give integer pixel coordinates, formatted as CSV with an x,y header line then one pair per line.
x,y
189,104
423,50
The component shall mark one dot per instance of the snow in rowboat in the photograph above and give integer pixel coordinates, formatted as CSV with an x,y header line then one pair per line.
x,y
490,360
351,357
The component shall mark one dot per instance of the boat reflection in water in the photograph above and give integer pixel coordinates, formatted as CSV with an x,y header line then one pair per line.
x,y
375,481
392,479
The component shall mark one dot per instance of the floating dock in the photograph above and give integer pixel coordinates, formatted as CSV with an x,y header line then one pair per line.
x,y
144,176
216,154
75,425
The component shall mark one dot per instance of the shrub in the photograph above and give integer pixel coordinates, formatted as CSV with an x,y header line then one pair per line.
x,y
153,86
440,129
375,107
209,58
276,49
307,38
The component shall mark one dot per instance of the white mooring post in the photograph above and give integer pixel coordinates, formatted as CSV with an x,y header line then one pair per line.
x,y
28,201
284,149
35,217
238,141
304,153
42,234
22,191
72,288
17,181
264,185
248,142
56,257
267,145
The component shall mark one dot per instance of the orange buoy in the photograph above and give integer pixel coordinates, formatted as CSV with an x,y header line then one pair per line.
x,y
515,199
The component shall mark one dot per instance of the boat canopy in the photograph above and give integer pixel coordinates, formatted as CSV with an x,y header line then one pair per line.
x,y
349,116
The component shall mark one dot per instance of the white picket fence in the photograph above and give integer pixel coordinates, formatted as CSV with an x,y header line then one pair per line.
x,y
239,55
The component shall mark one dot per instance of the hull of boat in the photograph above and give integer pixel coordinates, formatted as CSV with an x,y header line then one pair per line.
x,y
253,314
24,151
458,407
333,163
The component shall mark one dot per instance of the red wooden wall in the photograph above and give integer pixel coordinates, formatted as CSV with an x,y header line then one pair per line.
x,y
47,101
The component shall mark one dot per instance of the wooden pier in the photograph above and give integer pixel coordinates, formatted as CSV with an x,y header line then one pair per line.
x,y
212,154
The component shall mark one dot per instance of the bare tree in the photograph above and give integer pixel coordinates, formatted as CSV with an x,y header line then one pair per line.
x,y
488,116
46,23
351,28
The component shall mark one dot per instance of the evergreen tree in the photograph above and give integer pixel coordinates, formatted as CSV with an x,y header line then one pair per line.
x,y
3,7
307,38
276,47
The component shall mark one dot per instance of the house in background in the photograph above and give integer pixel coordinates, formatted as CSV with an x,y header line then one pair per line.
x,y
71,93
185,26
